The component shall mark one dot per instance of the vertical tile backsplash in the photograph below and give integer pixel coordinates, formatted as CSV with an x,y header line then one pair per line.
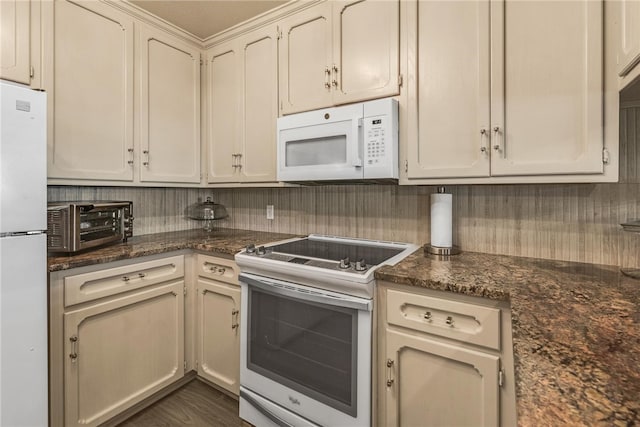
x,y
574,222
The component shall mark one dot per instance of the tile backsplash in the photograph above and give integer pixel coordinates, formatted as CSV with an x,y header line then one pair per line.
x,y
574,222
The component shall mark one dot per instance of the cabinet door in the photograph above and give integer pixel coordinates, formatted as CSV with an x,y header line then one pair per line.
x,y
89,81
305,60
224,115
455,387
365,49
122,351
547,87
629,48
169,109
15,31
448,89
219,334
259,105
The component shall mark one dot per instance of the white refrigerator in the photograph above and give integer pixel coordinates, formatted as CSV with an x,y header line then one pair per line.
x,y
23,257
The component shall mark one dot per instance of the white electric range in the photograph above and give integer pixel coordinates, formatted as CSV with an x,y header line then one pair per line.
x,y
306,322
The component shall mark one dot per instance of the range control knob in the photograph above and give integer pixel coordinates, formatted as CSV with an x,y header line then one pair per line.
x,y
361,265
345,263
250,248
261,250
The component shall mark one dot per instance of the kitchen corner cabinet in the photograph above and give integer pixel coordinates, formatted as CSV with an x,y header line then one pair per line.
x,y
116,337
486,99
169,108
89,83
218,325
338,52
242,98
462,348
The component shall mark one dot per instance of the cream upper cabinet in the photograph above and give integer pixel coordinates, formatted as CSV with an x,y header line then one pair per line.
x,y
449,88
224,112
169,108
242,97
338,52
629,30
547,91
15,40
218,314
305,60
488,100
89,80
365,50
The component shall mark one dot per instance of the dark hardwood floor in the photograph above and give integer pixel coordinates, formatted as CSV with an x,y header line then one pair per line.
x,y
195,404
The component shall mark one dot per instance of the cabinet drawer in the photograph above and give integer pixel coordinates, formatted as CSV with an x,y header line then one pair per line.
x,y
102,283
450,319
220,269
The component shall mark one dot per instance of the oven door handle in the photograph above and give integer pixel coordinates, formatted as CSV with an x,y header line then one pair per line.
x,y
306,294
273,417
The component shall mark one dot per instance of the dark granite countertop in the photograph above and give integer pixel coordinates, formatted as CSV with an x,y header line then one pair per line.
x,y
576,331
220,241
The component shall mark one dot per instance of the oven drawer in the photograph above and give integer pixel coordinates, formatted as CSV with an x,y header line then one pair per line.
x,y
455,320
220,269
111,281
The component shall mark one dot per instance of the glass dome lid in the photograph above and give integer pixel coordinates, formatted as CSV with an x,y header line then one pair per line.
x,y
207,210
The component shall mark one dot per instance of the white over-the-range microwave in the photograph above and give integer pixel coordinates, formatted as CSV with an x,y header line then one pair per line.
x,y
348,143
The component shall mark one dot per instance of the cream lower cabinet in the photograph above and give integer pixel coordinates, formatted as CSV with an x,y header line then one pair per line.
x,y
443,361
338,52
116,337
218,324
243,107
487,99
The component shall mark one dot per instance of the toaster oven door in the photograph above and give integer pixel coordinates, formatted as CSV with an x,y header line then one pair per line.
x,y
98,225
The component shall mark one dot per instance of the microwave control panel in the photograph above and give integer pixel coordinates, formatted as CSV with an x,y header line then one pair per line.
x,y
380,126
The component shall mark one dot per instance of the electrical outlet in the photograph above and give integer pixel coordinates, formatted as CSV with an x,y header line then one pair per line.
x,y
270,212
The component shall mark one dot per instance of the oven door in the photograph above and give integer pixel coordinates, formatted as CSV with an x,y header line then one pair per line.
x,y
306,350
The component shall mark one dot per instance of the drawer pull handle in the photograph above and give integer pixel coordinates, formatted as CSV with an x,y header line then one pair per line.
x,y
74,349
221,271
449,321
125,278
141,275
428,316
389,372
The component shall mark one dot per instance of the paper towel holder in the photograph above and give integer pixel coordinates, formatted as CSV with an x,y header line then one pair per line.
x,y
439,251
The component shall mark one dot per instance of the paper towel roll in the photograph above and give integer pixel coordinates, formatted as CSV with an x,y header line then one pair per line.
x,y
441,220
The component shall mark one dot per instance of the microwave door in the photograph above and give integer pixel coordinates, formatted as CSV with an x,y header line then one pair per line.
x,y
328,151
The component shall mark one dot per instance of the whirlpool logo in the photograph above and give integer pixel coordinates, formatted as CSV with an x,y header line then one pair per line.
x,y
294,400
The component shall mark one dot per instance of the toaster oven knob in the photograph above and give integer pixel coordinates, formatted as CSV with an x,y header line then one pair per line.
x,y
250,248
361,265
261,250
345,263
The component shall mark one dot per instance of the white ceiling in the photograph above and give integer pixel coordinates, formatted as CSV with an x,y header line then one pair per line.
x,y
204,18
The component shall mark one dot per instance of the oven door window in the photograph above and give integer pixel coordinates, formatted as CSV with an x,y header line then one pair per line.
x,y
308,347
